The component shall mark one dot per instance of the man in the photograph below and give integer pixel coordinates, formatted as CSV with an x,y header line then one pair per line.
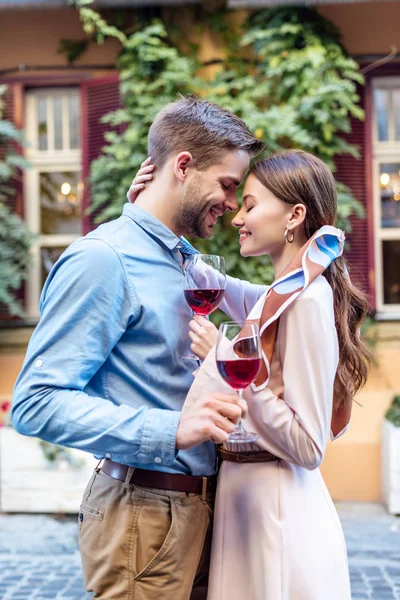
x,y
104,373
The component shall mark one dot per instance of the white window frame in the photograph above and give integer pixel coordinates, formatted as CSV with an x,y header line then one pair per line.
x,y
383,152
49,160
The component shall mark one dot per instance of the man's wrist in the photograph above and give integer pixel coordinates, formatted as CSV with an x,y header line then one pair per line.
x,y
158,443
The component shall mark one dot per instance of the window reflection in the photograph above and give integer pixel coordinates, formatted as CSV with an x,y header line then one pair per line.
x,y
389,179
381,102
63,111
42,123
58,128
60,202
73,110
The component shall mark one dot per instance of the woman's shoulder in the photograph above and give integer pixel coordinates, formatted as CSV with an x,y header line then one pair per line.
x,y
318,290
310,316
317,295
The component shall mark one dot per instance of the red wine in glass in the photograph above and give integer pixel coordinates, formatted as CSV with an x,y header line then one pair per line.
x,y
239,373
203,302
204,285
238,358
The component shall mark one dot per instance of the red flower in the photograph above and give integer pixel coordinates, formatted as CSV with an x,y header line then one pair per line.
x,y
4,406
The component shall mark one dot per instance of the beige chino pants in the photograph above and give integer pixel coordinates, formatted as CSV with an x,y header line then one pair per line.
x,y
141,543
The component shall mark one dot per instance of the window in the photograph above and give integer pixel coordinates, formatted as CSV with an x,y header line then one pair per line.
x,y
53,185
386,186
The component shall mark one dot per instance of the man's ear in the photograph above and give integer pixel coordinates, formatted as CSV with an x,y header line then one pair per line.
x,y
297,216
181,164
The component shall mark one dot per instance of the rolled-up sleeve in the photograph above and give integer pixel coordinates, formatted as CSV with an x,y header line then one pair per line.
x,y
86,306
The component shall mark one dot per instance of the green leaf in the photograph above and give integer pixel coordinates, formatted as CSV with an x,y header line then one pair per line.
x,y
285,73
393,413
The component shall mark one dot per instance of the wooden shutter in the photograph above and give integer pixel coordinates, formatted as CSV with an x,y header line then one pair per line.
x,y
98,97
355,173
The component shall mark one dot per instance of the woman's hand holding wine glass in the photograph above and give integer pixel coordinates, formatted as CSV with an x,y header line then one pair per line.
x,y
204,336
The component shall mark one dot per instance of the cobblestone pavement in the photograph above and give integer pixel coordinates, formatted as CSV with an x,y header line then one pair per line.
x,y
373,547
39,558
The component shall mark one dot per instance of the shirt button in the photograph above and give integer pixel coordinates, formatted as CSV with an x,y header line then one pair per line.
x,y
38,363
158,460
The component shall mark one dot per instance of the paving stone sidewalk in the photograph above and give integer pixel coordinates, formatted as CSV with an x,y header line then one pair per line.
x,y
373,547
39,558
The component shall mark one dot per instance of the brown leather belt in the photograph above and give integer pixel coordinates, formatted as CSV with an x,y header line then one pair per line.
x,y
163,481
247,457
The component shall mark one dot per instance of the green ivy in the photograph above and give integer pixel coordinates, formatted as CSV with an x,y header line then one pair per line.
x,y
15,238
93,24
286,74
72,49
393,412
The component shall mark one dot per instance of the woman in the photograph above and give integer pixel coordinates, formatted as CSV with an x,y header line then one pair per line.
x,y
277,535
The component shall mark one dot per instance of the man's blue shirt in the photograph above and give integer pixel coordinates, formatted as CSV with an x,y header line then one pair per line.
x,y
103,370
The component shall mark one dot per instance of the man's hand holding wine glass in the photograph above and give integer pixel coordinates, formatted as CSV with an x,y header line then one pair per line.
x,y
212,417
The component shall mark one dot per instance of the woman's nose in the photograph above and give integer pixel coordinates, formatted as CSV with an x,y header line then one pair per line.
x,y
237,220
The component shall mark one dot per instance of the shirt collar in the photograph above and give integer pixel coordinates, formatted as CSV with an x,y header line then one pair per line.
x,y
157,229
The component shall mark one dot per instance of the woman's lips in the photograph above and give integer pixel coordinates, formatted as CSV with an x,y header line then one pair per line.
x,y
243,235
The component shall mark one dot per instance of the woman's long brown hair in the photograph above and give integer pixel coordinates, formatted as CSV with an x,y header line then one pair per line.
x,y
296,177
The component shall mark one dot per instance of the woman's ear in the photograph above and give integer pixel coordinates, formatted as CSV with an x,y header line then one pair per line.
x,y
181,164
297,216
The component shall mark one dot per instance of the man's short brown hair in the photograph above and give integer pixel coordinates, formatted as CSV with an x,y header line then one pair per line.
x,y
200,127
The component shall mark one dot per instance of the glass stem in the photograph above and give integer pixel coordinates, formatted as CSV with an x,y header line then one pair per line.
x,y
239,427
198,360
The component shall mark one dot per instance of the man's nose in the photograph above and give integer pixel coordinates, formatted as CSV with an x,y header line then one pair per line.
x,y
231,204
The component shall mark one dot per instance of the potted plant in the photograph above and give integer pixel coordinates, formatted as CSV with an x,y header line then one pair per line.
x,y
390,452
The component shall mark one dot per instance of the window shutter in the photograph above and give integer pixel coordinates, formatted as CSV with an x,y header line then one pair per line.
x,y
98,97
355,174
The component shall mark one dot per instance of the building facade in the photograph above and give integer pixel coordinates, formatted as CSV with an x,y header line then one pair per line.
x,y
59,106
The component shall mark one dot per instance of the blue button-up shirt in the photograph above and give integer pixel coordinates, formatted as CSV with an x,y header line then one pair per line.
x,y
104,370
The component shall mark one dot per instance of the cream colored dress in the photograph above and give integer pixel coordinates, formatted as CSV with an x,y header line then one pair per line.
x,y
277,535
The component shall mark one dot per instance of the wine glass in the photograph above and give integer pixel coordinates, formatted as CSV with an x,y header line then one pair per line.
x,y
204,286
238,356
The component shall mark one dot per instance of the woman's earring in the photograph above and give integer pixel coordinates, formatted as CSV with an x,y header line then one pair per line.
x,y
287,231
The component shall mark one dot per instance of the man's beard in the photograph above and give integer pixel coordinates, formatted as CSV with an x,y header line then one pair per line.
x,y
193,211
